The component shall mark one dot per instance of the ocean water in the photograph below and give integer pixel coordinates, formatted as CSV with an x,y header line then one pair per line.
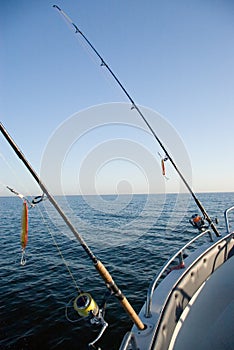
x,y
132,235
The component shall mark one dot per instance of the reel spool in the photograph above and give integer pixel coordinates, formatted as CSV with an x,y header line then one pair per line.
x,y
86,306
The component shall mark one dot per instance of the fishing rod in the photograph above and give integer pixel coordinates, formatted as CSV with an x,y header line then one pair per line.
x,y
134,106
103,272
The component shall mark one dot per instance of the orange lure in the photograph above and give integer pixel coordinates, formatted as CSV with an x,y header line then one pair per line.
x,y
163,167
24,230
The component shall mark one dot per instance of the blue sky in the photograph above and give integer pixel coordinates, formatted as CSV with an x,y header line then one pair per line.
x,y
174,57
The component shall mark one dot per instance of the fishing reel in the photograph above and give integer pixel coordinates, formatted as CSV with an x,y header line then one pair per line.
x,y
88,309
198,222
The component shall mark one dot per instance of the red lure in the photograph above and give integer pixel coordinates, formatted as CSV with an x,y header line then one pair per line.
x,y
24,230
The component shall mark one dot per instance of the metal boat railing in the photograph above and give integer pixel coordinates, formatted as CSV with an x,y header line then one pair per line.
x,y
129,340
226,218
156,279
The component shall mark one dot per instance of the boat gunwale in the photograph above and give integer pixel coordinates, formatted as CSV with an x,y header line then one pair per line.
x,y
227,238
153,334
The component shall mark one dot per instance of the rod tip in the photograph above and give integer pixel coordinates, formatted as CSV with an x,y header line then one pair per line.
x,y
58,8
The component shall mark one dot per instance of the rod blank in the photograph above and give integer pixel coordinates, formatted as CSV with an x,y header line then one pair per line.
x,y
103,63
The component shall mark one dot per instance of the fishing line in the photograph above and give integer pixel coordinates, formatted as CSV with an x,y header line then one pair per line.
x,y
135,107
79,290
59,251
85,46
12,170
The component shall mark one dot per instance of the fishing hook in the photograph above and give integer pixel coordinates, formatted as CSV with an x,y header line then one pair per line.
x,y
23,259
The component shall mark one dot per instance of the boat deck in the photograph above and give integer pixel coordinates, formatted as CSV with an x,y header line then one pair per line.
x,y
210,314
